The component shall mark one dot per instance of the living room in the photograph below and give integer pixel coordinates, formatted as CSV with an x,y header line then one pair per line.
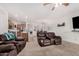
x,y
27,20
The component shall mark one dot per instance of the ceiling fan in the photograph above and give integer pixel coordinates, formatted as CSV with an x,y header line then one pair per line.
x,y
55,4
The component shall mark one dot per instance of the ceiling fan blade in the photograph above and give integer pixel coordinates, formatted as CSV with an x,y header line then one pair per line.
x,y
65,4
46,4
53,8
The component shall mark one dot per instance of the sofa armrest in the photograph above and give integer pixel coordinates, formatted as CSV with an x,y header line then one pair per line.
x,y
58,37
19,39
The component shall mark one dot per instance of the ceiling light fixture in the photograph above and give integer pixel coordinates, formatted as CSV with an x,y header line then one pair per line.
x,y
54,5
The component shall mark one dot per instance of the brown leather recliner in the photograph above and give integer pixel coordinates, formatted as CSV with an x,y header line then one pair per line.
x,y
42,39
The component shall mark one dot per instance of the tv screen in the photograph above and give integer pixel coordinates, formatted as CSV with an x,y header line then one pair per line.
x,y
75,22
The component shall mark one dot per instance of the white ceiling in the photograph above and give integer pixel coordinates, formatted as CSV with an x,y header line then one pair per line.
x,y
36,11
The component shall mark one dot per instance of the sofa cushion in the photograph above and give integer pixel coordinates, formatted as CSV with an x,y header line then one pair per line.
x,y
41,33
50,34
6,48
19,39
2,37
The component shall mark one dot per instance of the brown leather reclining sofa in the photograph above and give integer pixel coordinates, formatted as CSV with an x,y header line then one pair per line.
x,y
48,38
12,47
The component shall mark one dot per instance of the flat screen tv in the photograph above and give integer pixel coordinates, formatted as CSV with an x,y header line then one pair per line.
x,y
75,21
